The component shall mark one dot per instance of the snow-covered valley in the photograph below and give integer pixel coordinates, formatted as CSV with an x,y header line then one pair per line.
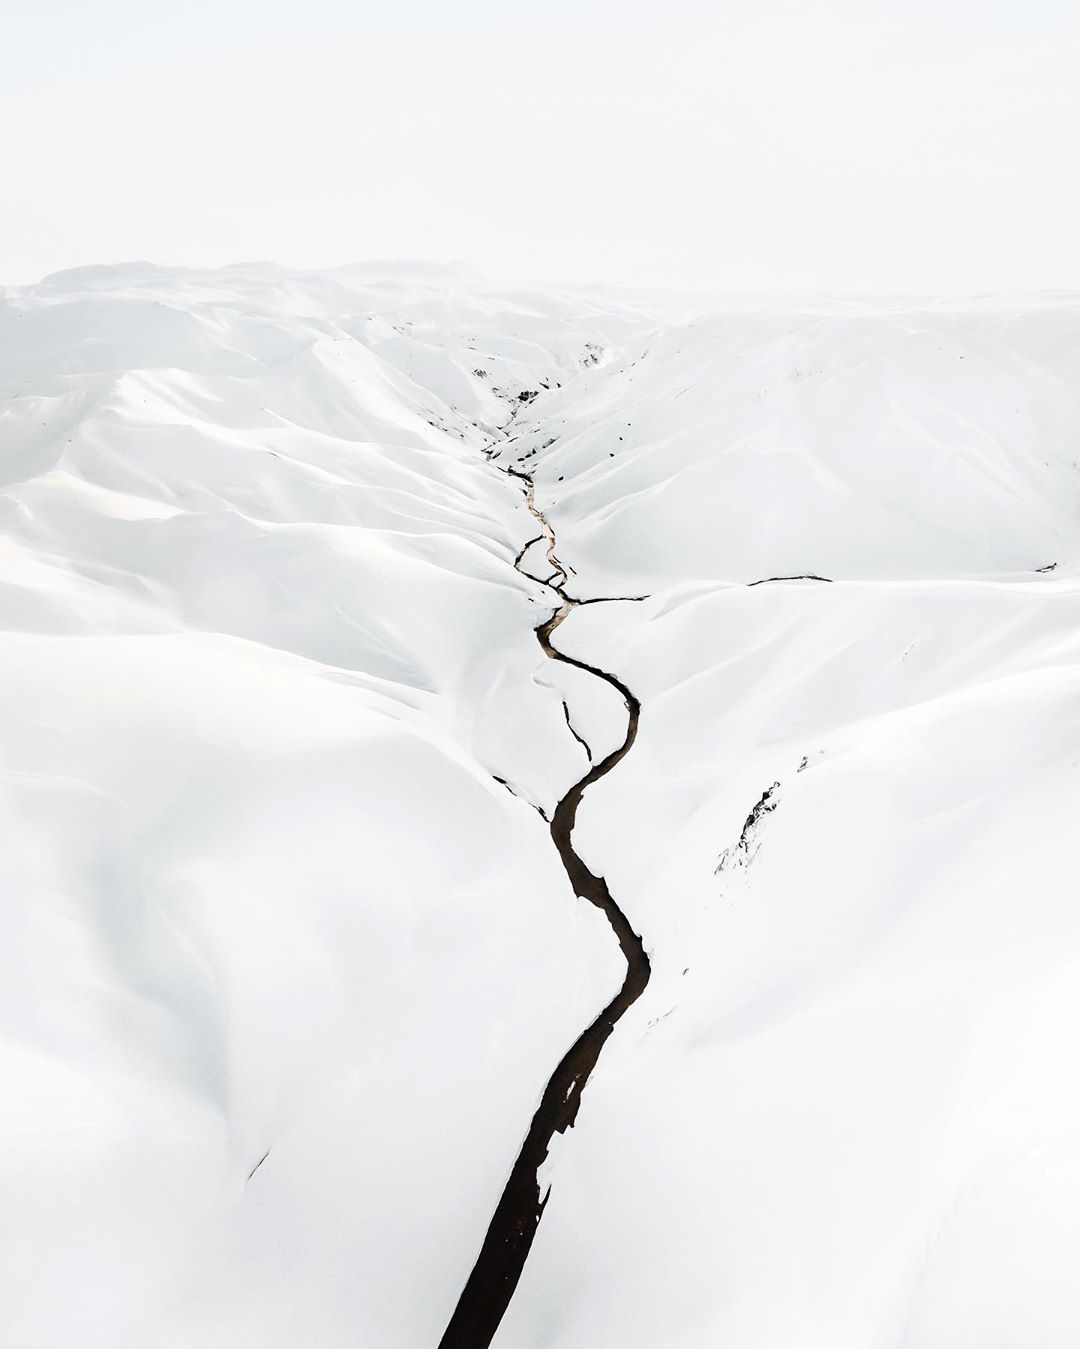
x,y
291,952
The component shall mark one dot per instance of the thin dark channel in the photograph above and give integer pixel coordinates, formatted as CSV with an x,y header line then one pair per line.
x,y
495,1275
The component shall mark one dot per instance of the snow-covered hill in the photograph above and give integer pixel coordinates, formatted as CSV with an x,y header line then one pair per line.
x,y
289,954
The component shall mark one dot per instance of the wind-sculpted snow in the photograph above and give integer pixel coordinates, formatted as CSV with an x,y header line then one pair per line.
x,y
264,652
846,1108
846,442
289,954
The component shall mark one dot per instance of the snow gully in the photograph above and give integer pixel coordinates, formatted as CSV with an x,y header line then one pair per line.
x,y
502,1257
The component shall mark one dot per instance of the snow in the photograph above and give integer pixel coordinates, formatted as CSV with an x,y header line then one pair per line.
x,y
263,650
263,657
857,444
877,1013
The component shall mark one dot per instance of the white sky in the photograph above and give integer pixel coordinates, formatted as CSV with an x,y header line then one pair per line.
x,y
737,144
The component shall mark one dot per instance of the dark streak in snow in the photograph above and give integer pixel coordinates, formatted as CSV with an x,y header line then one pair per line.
x,y
805,576
767,802
258,1163
513,1225
570,726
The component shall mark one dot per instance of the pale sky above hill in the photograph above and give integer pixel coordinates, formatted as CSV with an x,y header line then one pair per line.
x,y
707,144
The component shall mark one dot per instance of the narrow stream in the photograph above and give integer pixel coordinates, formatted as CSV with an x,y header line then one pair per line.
x,y
502,1257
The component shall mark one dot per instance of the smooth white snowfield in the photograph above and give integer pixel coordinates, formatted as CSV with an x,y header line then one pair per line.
x,y
264,653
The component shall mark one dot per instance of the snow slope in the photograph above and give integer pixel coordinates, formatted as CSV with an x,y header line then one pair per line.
x,y
845,1115
263,651
288,953
848,442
